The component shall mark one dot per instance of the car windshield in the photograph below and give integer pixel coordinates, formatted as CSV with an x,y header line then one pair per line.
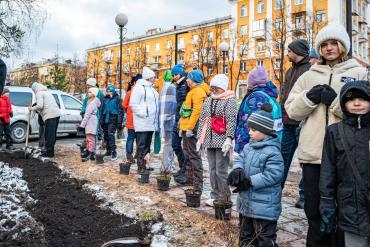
x,y
20,98
71,103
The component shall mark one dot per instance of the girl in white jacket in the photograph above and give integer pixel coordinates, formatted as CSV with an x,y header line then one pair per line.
x,y
314,99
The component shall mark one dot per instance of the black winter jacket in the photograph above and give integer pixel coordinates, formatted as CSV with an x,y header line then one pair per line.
x,y
337,181
182,90
291,77
2,75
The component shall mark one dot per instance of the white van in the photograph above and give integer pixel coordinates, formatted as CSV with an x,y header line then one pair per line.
x,y
21,97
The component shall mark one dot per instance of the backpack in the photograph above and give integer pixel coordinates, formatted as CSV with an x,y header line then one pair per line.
x,y
277,115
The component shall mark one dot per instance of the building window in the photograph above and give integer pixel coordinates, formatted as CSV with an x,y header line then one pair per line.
x,y
261,46
277,45
260,7
156,59
259,62
128,52
157,47
137,50
299,21
259,25
147,60
243,30
278,4
320,16
195,39
298,2
278,24
243,66
243,11
210,36
225,33
147,48
168,59
225,69
278,63
194,55
243,49
209,70
169,44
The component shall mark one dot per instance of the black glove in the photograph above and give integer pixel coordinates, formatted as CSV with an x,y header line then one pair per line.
x,y
82,114
235,177
328,95
327,212
11,114
315,94
80,129
243,185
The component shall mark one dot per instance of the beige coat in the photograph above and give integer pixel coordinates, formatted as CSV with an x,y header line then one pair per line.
x,y
317,117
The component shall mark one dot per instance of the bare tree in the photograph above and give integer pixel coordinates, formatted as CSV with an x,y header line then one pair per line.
x,y
77,74
18,18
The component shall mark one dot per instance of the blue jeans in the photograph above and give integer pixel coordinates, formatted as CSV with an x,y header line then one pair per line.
x,y
289,144
177,148
130,144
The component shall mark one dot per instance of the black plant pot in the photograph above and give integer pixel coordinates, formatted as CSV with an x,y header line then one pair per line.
x,y
99,158
163,183
192,198
222,209
144,177
124,169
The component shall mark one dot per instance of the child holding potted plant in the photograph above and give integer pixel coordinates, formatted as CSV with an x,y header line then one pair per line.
x,y
90,123
256,174
217,126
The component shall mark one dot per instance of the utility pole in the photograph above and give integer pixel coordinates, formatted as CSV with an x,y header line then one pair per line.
x,y
349,23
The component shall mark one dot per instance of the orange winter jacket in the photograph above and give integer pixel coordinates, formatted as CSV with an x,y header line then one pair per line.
x,y
127,108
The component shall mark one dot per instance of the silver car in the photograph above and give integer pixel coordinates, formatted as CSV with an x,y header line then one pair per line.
x,y
21,97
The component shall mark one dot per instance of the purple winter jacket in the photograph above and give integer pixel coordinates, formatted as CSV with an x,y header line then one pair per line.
x,y
90,121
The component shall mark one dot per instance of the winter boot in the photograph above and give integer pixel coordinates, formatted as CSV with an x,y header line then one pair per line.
x,y
84,153
108,153
92,156
114,155
86,157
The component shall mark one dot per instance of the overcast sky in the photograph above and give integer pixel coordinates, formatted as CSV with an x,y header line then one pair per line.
x,y
72,26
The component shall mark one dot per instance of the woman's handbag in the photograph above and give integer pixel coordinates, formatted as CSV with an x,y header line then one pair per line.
x,y
218,122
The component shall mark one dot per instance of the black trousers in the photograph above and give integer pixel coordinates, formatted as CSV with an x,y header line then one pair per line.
x,y
41,132
193,165
5,129
311,178
143,142
51,127
257,232
109,130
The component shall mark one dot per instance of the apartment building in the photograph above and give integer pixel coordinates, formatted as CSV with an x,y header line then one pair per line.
x,y
257,33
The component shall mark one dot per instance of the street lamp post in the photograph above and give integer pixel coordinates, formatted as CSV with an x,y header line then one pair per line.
x,y
121,21
224,47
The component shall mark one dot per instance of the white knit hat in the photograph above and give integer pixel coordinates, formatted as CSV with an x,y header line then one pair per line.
x,y
220,81
333,31
148,73
91,82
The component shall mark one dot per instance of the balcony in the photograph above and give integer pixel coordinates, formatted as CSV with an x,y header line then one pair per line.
x,y
259,34
156,66
363,37
181,47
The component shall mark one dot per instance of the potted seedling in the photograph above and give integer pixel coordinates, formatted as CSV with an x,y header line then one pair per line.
x,y
223,206
163,180
193,194
124,168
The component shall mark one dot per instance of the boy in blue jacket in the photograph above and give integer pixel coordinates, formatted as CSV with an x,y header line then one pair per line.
x,y
256,174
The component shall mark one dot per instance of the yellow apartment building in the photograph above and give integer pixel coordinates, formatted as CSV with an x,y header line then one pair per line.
x,y
257,33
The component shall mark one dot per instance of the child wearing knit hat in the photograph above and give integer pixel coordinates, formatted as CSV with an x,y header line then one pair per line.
x,y
257,174
6,113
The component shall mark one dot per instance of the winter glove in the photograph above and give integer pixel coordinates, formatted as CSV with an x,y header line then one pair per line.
x,y
243,185
227,146
235,177
327,212
189,133
80,129
328,95
315,94
82,114
11,114
180,133
198,146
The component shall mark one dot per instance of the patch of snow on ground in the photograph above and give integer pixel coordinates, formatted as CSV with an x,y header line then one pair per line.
x,y
15,221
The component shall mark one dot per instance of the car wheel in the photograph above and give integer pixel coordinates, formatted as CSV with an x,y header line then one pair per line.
x,y
18,132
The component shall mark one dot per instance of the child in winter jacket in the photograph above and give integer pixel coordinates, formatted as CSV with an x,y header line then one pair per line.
x,y
90,123
190,113
112,116
216,132
6,113
260,91
257,174
345,195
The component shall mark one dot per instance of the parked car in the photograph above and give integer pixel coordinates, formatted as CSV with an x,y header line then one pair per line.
x,y
21,98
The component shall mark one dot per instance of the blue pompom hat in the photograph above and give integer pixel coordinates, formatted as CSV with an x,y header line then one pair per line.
x,y
178,70
196,76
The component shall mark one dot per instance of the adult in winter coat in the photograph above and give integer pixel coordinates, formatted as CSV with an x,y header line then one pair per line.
x,y
90,123
314,99
111,118
340,191
216,138
259,91
179,80
130,120
298,54
257,174
190,113
47,107
144,103
2,74
167,115
6,113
